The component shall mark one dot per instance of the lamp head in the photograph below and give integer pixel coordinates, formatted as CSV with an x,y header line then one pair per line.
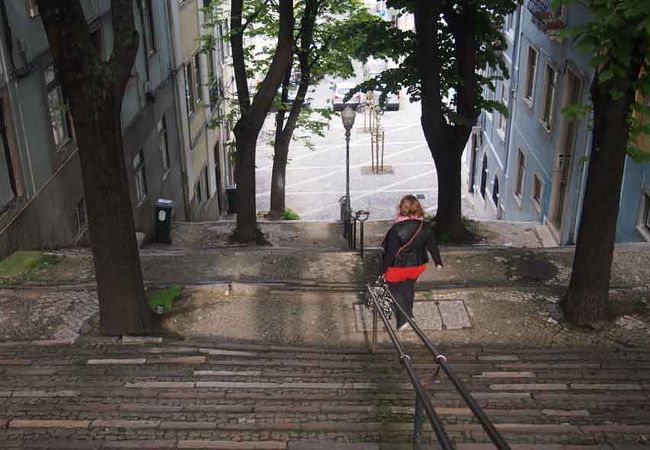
x,y
347,116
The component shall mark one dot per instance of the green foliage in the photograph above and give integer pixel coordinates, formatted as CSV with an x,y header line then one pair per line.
x,y
18,266
162,300
290,214
385,41
618,37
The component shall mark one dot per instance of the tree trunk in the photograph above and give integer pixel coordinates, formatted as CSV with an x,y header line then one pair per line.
x,y
586,300
253,114
449,216
447,141
284,132
94,91
280,154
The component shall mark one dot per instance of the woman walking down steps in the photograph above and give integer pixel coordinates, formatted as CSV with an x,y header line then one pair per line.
x,y
405,254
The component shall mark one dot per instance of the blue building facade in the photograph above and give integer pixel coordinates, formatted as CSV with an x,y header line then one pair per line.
x,y
532,165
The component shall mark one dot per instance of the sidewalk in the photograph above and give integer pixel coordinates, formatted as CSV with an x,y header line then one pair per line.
x,y
304,296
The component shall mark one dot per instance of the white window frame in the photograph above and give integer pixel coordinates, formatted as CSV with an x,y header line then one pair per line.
x,y
502,120
548,98
531,75
198,84
190,89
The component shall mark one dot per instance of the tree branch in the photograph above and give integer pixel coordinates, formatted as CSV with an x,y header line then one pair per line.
x,y
250,19
238,57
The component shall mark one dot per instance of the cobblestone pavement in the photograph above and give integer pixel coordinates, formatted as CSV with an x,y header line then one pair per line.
x,y
168,394
34,314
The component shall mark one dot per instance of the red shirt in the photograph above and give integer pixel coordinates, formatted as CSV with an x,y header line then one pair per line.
x,y
397,274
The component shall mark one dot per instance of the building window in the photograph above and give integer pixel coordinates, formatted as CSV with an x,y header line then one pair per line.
x,y
197,78
148,25
80,216
190,90
519,176
495,191
549,96
531,73
643,224
197,192
140,177
59,114
32,8
472,164
206,182
508,22
163,145
538,191
484,173
501,122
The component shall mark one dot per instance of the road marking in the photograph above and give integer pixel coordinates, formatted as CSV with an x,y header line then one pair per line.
x,y
375,191
364,192
415,163
365,139
334,172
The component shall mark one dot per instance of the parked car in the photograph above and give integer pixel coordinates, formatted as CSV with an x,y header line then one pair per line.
x,y
340,91
393,101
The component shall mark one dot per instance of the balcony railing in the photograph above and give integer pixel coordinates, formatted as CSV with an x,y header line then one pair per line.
x,y
547,17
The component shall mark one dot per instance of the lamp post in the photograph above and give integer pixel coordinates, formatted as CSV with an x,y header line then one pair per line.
x,y
347,116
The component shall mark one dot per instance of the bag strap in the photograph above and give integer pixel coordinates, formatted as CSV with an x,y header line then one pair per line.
x,y
410,240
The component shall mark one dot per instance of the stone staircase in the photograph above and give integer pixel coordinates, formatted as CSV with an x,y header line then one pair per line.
x,y
148,393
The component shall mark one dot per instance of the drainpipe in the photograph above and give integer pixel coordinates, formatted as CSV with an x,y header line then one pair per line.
x,y
179,119
512,102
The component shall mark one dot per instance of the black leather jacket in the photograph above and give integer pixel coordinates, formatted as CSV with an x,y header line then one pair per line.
x,y
415,254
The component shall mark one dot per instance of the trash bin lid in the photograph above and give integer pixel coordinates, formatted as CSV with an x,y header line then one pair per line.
x,y
164,202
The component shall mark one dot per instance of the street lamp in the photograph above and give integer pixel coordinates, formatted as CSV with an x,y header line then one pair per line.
x,y
347,116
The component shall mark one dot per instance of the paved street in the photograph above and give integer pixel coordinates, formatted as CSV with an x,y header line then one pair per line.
x,y
316,177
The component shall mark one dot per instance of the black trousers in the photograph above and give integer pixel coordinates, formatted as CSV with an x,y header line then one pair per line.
x,y
404,293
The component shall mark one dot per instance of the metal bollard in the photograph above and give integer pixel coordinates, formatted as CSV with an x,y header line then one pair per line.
x,y
361,216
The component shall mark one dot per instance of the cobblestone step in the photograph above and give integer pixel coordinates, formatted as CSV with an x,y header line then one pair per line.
x,y
174,394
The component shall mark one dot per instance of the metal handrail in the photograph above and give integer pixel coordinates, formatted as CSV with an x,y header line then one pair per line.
x,y
441,360
421,397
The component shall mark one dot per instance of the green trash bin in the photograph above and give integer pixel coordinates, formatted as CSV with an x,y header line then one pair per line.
x,y
231,195
163,227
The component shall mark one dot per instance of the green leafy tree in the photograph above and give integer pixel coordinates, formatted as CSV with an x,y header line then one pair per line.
x,y
94,90
322,49
443,63
253,112
618,37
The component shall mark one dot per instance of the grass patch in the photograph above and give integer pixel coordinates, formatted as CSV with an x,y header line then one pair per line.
x,y
21,264
161,300
290,214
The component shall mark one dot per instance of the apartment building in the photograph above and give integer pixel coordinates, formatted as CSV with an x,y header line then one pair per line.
x,y
532,164
204,81
41,196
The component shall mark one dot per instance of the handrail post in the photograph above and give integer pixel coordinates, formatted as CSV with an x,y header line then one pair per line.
x,y
419,422
373,347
